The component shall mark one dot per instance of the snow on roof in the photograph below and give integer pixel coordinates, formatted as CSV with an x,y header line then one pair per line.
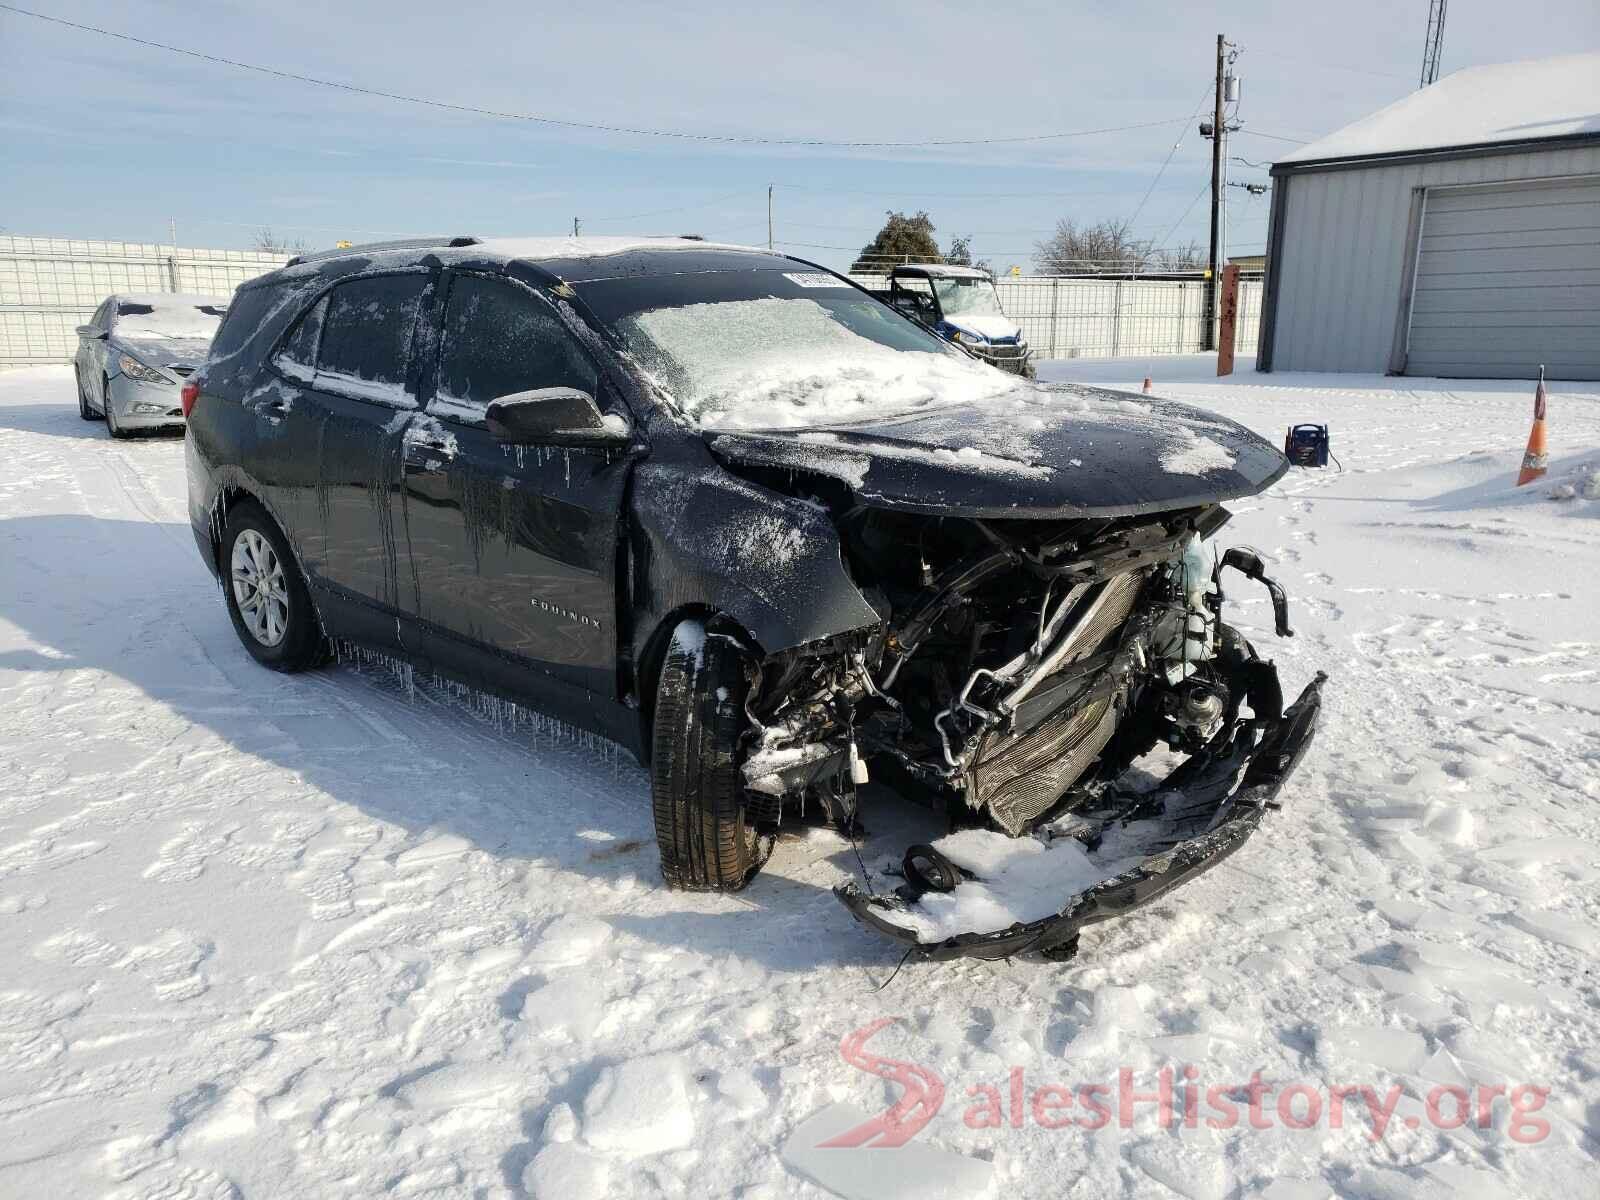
x,y
172,299
942,271
1503,102
535,248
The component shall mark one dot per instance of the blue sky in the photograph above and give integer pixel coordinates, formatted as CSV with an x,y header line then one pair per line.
x,y
103,139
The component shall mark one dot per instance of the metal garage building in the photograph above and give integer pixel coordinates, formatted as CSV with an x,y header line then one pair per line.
x,y
1454,233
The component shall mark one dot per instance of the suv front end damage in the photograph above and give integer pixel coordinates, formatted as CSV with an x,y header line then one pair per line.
x,y
1021,678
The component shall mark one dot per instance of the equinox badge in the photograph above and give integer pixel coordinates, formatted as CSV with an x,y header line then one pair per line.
x,y
555,610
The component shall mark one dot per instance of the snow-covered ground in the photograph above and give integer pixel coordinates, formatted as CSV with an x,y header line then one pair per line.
x,y
319,935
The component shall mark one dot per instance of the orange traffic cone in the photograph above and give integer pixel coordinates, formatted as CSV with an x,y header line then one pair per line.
x,y
1147,385
1535,459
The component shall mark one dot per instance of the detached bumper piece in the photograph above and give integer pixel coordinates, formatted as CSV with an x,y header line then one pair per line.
x,y
1208,807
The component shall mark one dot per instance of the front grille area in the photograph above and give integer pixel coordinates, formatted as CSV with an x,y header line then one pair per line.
x,y
1007,358
1021,776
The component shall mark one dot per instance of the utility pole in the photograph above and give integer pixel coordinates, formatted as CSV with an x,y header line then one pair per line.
x,y
1210,339
575,227
769,216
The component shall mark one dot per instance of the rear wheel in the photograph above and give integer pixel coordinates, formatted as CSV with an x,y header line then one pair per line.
x,y
707,841
265,593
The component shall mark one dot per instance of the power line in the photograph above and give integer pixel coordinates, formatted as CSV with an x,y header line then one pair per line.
x,y
1204,188
1277,137
1166,162
591,126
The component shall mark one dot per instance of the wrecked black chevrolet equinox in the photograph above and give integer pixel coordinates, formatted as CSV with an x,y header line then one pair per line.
x,y
728,509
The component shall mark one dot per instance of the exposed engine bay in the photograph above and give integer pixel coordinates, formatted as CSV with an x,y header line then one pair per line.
x,y
1020,668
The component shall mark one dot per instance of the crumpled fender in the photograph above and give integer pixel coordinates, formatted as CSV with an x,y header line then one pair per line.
x,y
704,539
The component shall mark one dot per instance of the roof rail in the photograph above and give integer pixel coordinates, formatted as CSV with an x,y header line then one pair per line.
x,y
419,243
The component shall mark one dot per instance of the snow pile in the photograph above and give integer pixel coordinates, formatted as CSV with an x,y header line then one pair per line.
x,y
1581,482
786,364
1191,453
968,458
534,249
1016,880
639,1107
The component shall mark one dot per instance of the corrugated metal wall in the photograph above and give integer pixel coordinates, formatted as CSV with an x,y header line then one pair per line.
x,y
1342,261
49,286
1069,317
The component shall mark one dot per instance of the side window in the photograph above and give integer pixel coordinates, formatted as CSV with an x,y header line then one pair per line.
x,y
366,336
297,358
249,308
499,339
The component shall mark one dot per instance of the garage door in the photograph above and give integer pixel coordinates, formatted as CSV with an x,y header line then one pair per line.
x,y
1508,277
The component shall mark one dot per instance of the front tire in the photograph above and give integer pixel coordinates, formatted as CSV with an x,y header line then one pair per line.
x,y
706,839
265,592
84,409
115,430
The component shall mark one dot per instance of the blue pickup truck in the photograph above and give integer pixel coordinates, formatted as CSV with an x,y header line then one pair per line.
x,y
961,306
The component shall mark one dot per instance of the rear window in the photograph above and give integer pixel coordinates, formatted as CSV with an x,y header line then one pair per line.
x,y
366,336
298,358
249,306
176,320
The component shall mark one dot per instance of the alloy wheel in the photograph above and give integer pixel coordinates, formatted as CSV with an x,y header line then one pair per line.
x,y
259,587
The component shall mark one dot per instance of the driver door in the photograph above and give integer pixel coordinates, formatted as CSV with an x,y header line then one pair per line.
x,y
513,548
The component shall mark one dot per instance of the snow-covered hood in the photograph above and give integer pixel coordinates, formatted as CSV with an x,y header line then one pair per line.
x,y
1032,451
992,326
166,352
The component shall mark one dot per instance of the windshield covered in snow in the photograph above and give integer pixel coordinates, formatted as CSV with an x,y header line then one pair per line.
x,y
959,297
780,349
177,319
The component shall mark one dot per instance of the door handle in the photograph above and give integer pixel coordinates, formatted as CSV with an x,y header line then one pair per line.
x,y
428,450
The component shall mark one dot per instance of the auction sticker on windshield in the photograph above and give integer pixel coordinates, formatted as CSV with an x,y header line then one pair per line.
x,y
815,279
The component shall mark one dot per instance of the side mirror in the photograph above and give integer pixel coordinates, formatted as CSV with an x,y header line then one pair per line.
x,y
89,331
553,417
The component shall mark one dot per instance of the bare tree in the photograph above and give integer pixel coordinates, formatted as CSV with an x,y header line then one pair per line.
x,y
1188,257
270,243
1075,249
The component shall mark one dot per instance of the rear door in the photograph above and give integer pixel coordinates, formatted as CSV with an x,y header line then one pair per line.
x,y
365,386
513,547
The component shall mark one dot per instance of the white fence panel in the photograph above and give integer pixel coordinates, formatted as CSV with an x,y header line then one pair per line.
x,y
49,286
1074,317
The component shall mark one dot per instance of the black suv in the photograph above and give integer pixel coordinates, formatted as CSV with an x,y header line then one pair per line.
x,y
730,510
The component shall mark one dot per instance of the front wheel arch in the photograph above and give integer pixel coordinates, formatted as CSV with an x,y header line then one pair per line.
x,y
648,676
